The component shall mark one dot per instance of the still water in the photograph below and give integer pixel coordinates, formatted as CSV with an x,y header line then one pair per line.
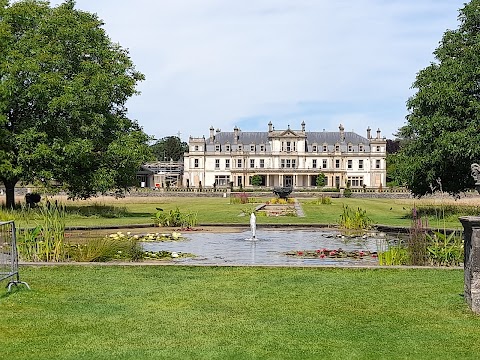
x,y
268,247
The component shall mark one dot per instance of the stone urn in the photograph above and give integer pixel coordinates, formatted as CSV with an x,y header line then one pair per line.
x,y
282,192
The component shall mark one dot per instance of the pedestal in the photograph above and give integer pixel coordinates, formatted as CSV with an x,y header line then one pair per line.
x,y
471,226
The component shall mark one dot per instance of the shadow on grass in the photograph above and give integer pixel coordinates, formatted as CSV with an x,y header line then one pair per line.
x,y
14,290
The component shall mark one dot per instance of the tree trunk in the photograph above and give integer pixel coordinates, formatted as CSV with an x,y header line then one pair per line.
x,y
10,193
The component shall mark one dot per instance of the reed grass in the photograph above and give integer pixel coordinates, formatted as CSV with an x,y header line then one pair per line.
x,y
391,255
175,218
354,219
445,249
416,243
44,241
106,249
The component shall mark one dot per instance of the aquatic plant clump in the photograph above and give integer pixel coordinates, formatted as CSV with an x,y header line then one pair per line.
x,y
106,249
174,236
165,255
333,254
354,219
175,218
44,242
121,246
392,254
445,250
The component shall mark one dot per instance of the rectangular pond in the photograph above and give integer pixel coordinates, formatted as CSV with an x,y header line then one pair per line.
x,y
270,247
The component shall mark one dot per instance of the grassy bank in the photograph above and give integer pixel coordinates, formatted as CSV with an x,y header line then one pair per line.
x,y
139,210
137,312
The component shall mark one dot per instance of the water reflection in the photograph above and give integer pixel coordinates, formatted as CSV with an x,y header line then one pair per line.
x,y
268,247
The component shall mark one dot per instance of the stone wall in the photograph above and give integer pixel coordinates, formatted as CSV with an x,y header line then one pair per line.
x,y
210,192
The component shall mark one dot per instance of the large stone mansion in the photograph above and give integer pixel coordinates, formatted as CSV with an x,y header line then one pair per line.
x,y
286,158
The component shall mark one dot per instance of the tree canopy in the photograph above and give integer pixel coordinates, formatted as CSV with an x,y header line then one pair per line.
x,y
320,180
256,180
169,148
442,136
63,89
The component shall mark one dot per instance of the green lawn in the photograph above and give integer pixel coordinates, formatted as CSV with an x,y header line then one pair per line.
x,y
168,312
108,211
220,211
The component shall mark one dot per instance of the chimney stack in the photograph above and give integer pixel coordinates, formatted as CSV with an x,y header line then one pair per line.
x,y
212,136
235,134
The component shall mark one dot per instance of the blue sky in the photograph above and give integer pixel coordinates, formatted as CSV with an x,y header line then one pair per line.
x,y
244,63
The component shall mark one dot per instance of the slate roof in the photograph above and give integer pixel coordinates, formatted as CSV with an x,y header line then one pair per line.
x,y
332,138
259,137
252,137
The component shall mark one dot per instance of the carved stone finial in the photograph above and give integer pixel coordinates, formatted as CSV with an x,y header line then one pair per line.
x,y
475,171
476,175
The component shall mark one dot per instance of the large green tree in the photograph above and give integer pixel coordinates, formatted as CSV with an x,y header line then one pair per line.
x,y
442,135
63,89
169,148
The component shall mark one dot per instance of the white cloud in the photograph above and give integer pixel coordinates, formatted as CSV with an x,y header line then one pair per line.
x,y
214,62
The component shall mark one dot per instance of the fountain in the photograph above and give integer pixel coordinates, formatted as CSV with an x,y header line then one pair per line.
x,y
253,225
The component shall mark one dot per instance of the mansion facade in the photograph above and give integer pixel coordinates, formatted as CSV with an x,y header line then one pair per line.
x,y
286,158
